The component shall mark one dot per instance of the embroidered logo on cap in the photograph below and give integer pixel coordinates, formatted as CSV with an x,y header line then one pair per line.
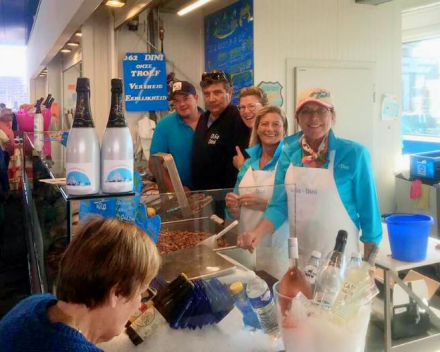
x,y
177,86
318,94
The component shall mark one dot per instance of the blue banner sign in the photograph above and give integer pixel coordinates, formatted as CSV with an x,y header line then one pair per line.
x,y
229,43
145,82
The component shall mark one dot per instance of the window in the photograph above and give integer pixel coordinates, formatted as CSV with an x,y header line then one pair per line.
x,y
421,95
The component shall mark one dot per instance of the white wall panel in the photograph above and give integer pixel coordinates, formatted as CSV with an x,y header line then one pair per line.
x,y
337,30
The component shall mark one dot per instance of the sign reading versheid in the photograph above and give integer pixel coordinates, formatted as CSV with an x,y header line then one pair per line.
x,y
145,82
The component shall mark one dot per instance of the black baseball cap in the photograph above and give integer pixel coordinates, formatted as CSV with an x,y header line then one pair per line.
x,y
182,87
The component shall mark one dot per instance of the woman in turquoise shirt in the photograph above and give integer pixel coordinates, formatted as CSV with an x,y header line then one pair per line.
x,y
255,181
330,181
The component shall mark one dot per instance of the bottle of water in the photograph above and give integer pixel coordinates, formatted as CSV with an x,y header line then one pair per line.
x,y
117,147
311,269
242,302
263,304
355,261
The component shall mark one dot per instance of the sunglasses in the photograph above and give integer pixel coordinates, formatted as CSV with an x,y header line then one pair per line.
x,y
216,75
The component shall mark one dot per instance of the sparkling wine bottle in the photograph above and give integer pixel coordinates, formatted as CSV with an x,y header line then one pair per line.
x,y
331,277
82,151
117,148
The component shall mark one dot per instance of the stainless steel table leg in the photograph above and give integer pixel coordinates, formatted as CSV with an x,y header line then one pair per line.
x,y
387,311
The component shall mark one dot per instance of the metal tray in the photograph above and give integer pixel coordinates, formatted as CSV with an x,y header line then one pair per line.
x,y
196,262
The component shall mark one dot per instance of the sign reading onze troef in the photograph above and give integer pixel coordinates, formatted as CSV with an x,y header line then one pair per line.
x,y
145,82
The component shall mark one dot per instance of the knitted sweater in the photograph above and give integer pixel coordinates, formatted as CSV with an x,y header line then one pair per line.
x,y
27,328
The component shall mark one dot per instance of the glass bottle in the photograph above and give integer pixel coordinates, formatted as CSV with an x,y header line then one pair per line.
x,y
117,147
82,150
331,277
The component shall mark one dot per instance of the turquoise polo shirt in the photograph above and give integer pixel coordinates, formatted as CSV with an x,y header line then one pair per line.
x,y
173,136
354,180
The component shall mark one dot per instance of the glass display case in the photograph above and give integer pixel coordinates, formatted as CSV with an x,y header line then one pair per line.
x,y
186,220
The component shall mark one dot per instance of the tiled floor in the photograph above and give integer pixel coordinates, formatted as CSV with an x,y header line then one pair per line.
x,y
14,281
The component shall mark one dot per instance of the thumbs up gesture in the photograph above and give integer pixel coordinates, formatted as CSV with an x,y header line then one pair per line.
x,y
239,159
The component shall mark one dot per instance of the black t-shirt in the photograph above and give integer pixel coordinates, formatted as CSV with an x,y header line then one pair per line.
x,y
214,149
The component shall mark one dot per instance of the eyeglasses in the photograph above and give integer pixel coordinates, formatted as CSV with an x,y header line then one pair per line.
x,y
216,75
250,107
321,112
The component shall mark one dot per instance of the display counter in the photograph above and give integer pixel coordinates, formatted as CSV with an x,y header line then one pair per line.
x,y
52,217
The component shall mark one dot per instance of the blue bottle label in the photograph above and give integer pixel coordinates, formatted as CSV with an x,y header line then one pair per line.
x,y
261,301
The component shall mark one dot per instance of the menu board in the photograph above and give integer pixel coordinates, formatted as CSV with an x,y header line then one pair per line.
x,y
145,82
229,43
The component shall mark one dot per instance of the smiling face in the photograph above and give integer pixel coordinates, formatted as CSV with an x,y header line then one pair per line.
x,y
315,121
185,105
270,129
248,108
217,98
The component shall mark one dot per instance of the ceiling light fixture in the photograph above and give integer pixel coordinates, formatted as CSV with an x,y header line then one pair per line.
x,y
66,50
73,44
78,34
115,3
192,7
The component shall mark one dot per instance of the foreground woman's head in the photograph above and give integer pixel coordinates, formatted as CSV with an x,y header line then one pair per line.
x,y
106,268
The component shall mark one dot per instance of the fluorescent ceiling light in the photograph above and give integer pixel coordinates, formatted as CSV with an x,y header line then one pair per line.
x,y
78,34
66,50
192,7
73,44
115,3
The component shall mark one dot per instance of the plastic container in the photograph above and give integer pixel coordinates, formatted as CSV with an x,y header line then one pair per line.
x,y
25,120
263,304
408,235
307,326
244,305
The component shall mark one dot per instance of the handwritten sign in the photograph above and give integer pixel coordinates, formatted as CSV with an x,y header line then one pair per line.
x,y
145,82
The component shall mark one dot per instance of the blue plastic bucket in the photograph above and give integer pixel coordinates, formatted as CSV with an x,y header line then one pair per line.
x,y
408,235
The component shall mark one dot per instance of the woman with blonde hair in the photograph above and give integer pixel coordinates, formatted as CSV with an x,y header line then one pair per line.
x,y
255,181
251,101
102,276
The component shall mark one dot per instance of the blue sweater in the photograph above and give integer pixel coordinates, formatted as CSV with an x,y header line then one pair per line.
x,y
27,328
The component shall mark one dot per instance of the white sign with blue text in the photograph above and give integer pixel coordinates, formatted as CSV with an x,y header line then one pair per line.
x,y
145,82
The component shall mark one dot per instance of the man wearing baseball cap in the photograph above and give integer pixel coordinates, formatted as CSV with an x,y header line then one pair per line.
x,y
174,133
329,186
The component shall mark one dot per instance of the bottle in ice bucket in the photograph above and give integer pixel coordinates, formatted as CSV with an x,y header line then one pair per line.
x,y
294,280
358,288
263,304
244,305
331,276
311,269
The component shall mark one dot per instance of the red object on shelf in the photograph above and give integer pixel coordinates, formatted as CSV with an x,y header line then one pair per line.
x,y
25,120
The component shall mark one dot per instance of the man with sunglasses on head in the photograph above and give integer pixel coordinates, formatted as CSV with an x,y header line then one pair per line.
x,y
219,131
174,134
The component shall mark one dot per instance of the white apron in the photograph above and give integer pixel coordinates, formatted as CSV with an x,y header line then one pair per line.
x,y
261,184
320,213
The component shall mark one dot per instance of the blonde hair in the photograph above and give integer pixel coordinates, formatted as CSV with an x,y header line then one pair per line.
x,y
255,139
257,91
106,253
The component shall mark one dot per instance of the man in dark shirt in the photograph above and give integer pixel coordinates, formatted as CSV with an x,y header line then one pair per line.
x,y
219,130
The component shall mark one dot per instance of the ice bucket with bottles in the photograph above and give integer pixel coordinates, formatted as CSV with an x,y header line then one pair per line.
x,y
307,326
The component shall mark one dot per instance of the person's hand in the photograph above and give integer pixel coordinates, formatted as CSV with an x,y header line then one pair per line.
x,y
239,159
248,240
253,202
233,204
